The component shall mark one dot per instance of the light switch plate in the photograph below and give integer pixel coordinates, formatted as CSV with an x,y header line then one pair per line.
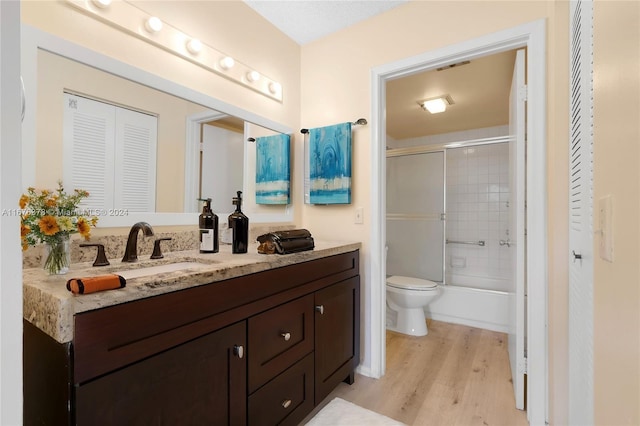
x,y
359,219
605,213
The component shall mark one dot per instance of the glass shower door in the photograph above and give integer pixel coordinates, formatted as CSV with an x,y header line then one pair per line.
x,y
415,204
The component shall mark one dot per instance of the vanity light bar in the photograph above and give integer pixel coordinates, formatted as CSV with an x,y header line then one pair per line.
x,y
143,25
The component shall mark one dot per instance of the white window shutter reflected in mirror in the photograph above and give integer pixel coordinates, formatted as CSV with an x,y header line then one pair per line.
x,y
89,141
111,152
135,165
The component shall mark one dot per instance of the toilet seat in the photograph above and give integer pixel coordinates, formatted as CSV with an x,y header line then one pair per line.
x,y
410,283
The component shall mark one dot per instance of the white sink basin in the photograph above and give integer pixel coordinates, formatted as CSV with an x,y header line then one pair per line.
x,y
162,269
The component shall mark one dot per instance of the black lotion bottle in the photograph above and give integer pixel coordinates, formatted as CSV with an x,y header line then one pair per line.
x,y
239,223
208,223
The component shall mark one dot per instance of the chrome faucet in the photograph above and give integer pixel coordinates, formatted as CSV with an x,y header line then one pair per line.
x,y
131,251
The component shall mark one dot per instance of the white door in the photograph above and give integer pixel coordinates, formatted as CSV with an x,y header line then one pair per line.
x,y
581,214
221,170
516,239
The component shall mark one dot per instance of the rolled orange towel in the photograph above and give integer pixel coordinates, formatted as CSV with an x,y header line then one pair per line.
x,y
93,284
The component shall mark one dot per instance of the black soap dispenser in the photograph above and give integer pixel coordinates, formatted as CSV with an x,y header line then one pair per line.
x,y
208,222
239,224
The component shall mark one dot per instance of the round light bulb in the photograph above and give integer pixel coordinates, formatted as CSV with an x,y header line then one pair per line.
x,y
227,63
274,87
194,46
102,3
153,24
253,76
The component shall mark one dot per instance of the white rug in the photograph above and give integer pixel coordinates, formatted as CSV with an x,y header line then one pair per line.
x,y
343,413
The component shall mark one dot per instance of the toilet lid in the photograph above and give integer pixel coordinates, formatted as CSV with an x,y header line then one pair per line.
x,y
410,283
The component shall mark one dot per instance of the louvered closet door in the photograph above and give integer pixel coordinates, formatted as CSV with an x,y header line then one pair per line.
x,y
111,152
89,146
135,165
581,215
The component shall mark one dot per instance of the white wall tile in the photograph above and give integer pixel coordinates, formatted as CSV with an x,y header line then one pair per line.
x,y
477,209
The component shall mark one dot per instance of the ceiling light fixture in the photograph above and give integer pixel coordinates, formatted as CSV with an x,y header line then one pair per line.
x,y
227,63
436,105
194,46
153,24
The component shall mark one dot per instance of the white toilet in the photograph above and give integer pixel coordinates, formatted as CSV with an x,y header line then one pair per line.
x,y
408,297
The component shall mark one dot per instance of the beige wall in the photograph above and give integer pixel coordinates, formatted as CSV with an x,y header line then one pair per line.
x,y
617,173
336,88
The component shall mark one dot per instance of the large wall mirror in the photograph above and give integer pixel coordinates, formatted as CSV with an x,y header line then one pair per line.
x,y
202,149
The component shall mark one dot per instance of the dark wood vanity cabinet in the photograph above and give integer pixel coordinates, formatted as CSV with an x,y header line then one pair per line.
x,y
197,383
261,349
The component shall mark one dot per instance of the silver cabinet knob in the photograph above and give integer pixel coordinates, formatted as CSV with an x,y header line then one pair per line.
x,y
320,308
286,336
286,403
238,350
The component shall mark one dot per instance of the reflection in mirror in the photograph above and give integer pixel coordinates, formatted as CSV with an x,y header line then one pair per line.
x,y
228,148
184,122
221,161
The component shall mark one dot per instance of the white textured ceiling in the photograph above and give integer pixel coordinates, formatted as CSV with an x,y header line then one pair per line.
x,y
307,20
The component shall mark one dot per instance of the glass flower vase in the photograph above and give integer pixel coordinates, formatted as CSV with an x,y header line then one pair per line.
x,y
57,255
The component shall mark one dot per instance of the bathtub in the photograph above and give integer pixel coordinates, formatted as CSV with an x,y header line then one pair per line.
x,y
470,301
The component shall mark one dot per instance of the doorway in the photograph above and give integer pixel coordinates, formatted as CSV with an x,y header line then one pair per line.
x,y
532,37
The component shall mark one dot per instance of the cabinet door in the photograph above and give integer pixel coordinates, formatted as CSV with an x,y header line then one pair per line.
x,y
200,382
337,335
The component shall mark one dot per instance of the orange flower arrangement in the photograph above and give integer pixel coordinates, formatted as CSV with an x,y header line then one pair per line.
x,y
50,217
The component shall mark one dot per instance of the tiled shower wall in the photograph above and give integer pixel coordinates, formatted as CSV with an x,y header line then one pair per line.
x,y
478,210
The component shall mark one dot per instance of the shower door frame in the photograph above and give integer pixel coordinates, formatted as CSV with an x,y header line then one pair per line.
x,y
444,147
531,35
422,149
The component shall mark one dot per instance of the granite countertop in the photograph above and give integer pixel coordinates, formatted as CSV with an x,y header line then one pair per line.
x,y
51,307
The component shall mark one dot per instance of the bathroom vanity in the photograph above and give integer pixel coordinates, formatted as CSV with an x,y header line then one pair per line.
x,y
248,339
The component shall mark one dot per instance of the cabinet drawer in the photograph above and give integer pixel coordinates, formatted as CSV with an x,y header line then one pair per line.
x,y
278,338
285,400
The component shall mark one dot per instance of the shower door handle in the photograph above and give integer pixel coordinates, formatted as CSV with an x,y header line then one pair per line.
x,y
506,242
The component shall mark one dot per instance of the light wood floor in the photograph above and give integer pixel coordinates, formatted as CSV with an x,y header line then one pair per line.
x,y
456,375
